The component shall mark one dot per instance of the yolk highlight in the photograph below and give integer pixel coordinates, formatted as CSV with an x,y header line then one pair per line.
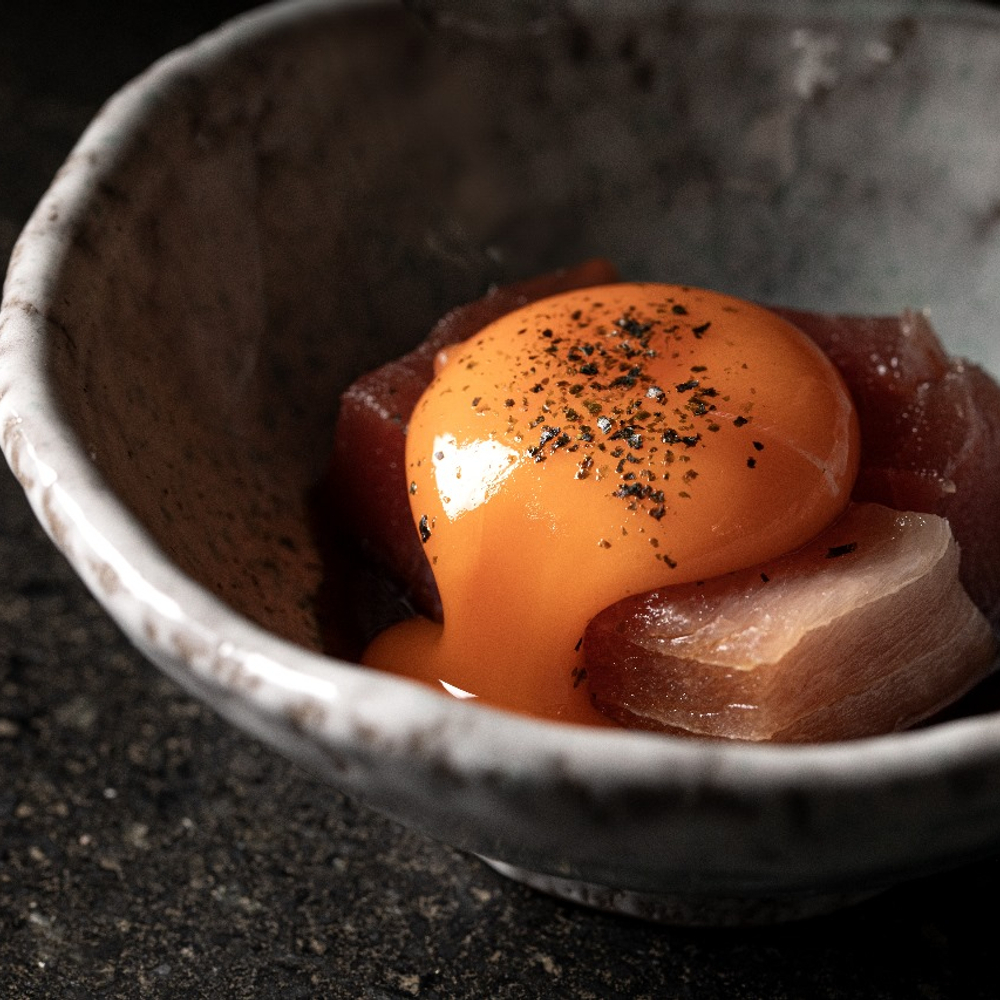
x,y
602,443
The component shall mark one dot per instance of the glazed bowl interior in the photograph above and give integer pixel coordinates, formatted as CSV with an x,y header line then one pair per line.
x,y
268,214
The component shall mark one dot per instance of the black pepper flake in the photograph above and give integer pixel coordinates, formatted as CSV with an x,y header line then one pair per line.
x,y
679,310
476,399
508,402
687,386
632,326
751,463
627,380
758,445
657,512
698,331
425,531
630,434
604,423
413,488
764,578
579,674
836,551
740,422
633,489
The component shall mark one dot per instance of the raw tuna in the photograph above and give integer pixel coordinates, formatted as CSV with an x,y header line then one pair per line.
x,y
864,630
930,432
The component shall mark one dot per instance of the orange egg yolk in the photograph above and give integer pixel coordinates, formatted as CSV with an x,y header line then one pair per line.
x,y
602,443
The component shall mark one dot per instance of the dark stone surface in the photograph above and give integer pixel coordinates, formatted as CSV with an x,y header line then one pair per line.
x,y
149,850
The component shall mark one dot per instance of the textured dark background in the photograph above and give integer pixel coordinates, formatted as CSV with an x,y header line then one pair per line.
x,y
149,850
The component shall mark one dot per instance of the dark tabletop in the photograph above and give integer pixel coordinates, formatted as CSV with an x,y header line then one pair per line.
x,y
148,849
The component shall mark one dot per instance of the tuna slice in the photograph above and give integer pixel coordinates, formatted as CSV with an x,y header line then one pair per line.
x,y
863,631
930,432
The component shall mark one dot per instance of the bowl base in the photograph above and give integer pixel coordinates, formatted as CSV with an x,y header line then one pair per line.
x,y
685,909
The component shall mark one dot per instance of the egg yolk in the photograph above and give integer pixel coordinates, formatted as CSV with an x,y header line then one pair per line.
x,y
602,443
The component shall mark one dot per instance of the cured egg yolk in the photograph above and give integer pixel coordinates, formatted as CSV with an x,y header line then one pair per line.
x,y
602,443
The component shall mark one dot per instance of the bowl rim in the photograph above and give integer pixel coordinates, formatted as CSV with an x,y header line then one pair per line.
x,y
211,648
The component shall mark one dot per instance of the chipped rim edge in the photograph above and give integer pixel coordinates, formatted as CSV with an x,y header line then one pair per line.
x,y
188,631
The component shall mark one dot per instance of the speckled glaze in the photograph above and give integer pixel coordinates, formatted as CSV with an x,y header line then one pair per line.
x,y
272,210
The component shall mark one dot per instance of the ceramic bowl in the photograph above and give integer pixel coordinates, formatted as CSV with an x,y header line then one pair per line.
x,y
271,211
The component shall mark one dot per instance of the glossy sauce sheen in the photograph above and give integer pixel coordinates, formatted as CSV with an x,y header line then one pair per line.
x,y
599,444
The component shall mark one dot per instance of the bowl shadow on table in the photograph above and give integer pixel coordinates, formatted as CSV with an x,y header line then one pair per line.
x,y
927,938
